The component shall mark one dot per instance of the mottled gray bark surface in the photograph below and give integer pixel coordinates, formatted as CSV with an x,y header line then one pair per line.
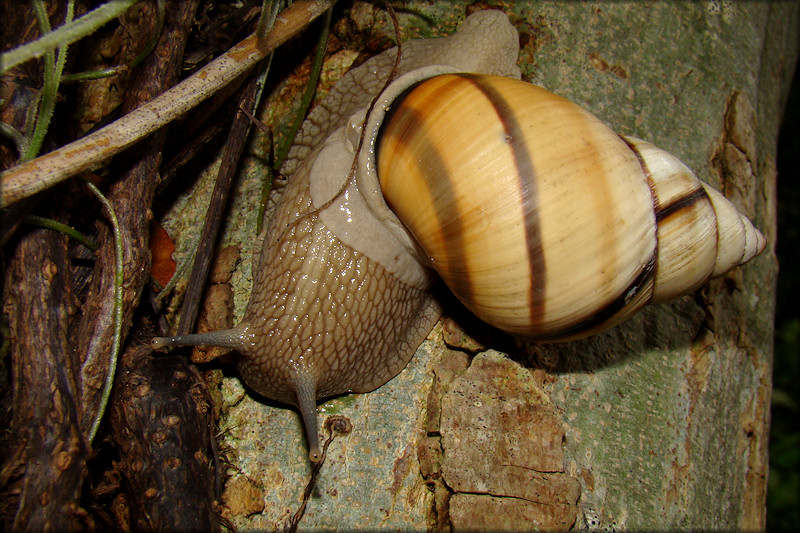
x,y
659,423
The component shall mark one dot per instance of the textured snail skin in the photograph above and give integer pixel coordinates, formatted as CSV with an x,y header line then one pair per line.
x,y
549,236
325,319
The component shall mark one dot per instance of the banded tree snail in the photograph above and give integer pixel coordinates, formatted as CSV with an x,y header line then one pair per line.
x,y
537,216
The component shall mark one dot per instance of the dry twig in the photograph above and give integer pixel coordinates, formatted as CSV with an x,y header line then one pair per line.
x,y
43,172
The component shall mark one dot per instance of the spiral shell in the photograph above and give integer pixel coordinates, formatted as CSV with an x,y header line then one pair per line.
x,y
542,220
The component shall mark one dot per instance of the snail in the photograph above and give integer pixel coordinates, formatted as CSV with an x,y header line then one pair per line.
x,y
542,220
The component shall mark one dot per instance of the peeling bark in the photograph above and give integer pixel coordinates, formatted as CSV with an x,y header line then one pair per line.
x,y
503,442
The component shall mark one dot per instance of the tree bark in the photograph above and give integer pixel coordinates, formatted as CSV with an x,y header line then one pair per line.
x,y
58,367
162,423
132,197
659,423
46,463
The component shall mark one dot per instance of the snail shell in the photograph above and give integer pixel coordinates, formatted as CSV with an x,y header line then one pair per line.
x,y
541,219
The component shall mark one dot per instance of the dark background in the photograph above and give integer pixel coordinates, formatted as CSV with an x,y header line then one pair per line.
x,y
783,496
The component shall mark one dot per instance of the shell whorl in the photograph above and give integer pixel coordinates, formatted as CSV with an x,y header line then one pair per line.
x,y
542,220
701,235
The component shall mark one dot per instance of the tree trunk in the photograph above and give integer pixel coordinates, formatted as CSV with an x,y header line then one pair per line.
x,y
661,422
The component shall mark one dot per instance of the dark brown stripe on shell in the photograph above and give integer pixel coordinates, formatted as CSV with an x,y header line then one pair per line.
x,y
394,107
403,117
611,310
646,171
663,212
683,202
526,174
656,201
645,276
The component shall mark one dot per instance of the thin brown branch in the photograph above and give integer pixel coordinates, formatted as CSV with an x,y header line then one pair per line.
x,y
219,199
336,425
86,153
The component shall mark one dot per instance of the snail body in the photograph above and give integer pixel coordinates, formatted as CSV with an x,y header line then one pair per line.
x,y
539,218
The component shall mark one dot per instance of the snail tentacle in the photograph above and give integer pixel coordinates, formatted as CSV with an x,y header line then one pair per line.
x,y
305,386
227,338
